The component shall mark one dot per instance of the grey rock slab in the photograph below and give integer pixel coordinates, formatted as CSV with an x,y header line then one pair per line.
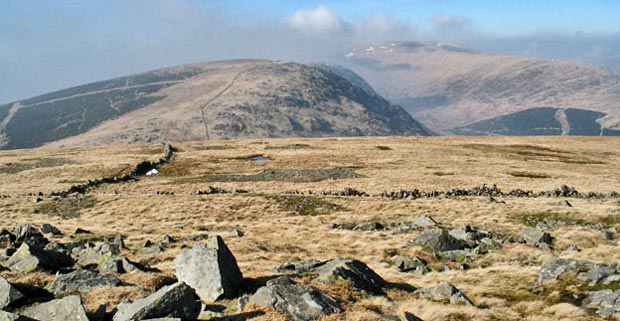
x,y
28,258
172,301
605,302
407,264
424,221
210,269
69,308
531,235
299,302
439,240
354,271
81,281
8,316
8,293
445,292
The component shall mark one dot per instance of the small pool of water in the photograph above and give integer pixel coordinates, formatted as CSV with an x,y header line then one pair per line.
x,y
260,158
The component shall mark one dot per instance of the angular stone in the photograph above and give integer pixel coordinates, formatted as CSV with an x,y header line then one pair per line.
x,y
439,240
553,267
531,235
69,308
8,293
299,302
27,259
299,266
416,265
445,292
28,234
605,302
7,316
81,281
211,269
409,317
354,271
172,301
424,221
49,229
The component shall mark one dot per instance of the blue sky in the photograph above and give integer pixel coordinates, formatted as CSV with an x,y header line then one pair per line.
x,y
48,45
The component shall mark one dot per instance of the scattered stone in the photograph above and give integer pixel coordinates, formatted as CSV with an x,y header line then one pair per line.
x,y
608,235
172,301
424,221
492,199
573,248
561,203
49,229
166,239
7,239
27,259
81,281
147,243
212,259
439,240
26,233
298,267
531,235
409,317
299,302
8,294
553,267
81,231
416,265
69,308
157,248
120,241
605,302
445,292
354,271
237,233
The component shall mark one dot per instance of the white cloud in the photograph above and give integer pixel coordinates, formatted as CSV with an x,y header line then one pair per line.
x,y
319,20
383,27
450,20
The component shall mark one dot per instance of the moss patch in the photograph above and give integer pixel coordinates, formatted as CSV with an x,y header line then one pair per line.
x,y
32,163
66,207
304,205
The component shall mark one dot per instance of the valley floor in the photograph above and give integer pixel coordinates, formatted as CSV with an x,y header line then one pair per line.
x,y
276,199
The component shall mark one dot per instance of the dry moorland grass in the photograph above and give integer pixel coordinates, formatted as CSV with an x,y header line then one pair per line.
x,y
499,282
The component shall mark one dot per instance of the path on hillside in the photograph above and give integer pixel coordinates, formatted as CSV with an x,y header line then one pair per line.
x,y
218,95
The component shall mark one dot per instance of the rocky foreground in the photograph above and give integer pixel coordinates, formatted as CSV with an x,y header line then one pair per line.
x,y
208,273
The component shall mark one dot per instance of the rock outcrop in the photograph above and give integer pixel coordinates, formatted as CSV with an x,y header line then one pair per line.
x,y
299,302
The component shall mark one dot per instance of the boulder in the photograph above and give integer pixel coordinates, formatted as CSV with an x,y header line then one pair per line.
x,y
354,271
28,234
69,308
7,316
424,221
81,281
172,301
605,302
29,258
553,267
299,266
416,265
7,239
439,240
211,269
49,229
298,302
445,292
8,294
531,235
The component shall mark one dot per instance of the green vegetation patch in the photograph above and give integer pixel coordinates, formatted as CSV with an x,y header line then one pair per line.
x,y
552,218
305,205
32,163
66,207
529,175
291,146
380,147
214,147
443,173
282,175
